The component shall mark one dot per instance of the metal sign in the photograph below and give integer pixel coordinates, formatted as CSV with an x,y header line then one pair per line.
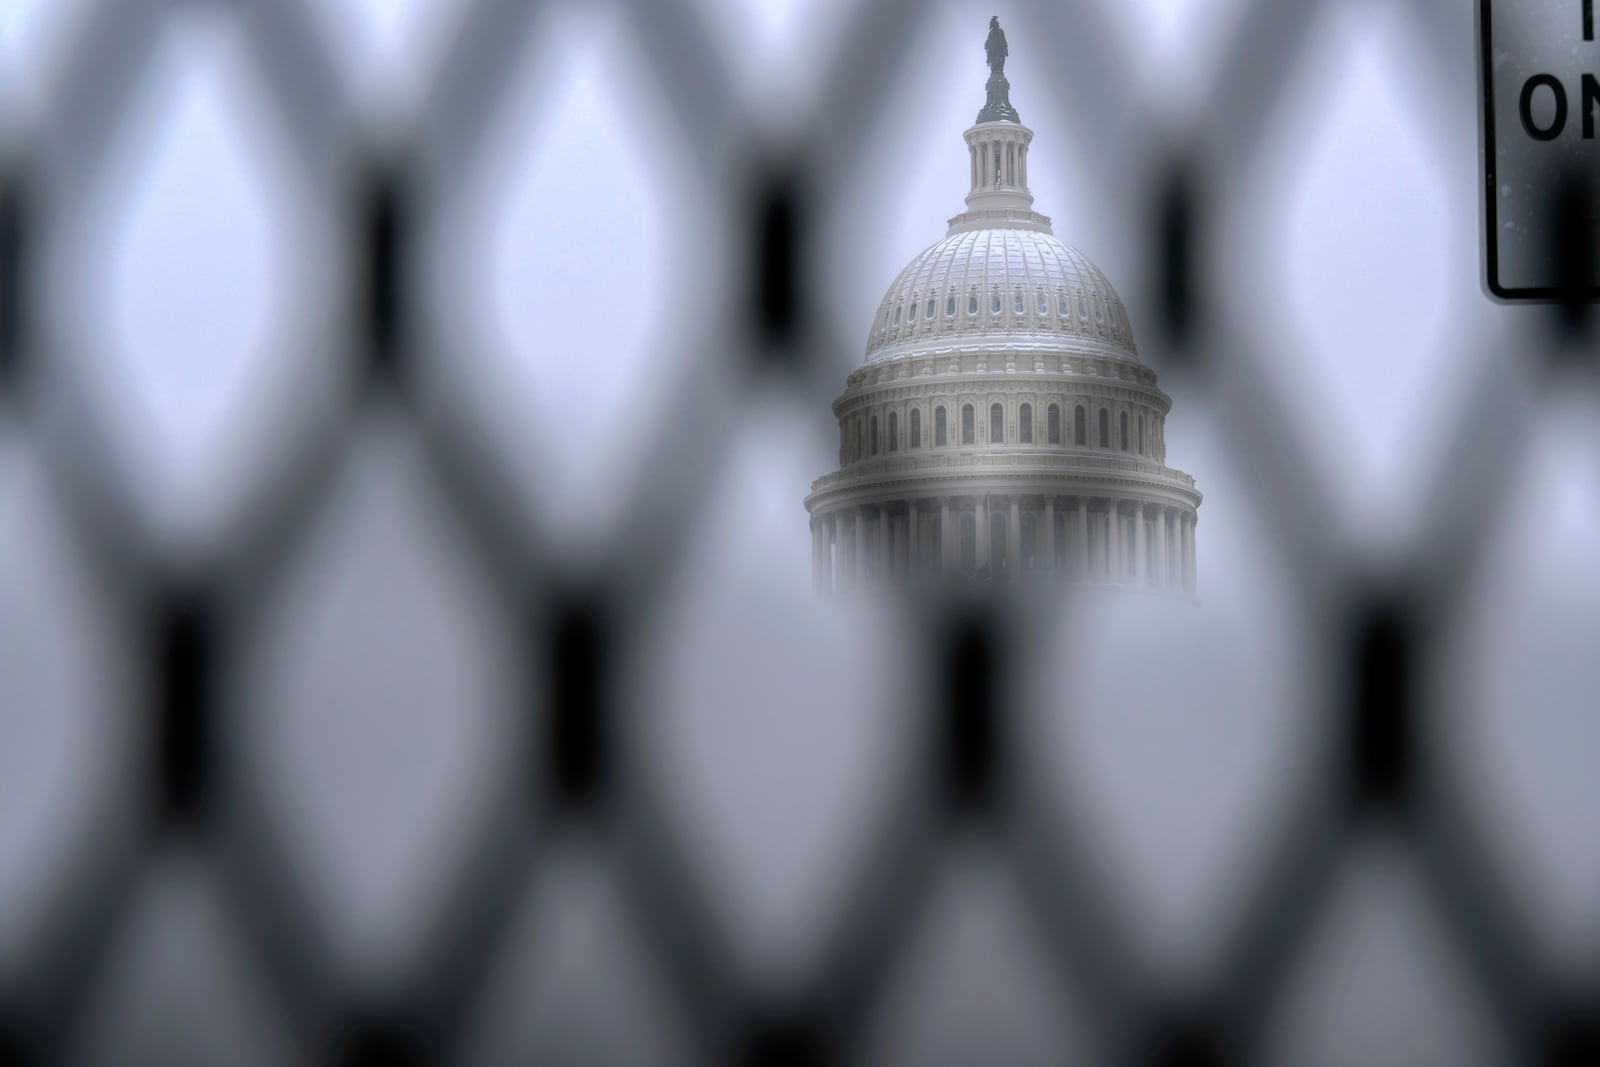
x,y
1539,66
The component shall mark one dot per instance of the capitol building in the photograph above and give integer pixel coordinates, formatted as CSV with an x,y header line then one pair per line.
x,y
1002,427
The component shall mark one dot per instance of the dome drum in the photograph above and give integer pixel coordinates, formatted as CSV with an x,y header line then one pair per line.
x,y
1002,530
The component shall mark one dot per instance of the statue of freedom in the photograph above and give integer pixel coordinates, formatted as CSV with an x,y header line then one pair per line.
x,y
997,108
995,46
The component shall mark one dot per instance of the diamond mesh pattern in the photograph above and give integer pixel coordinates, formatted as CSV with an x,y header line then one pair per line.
x,y
335,729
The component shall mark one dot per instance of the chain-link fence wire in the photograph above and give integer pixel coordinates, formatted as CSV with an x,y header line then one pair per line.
x,y
573,844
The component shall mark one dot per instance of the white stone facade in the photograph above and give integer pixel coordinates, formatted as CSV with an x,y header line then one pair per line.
x,y
1002,428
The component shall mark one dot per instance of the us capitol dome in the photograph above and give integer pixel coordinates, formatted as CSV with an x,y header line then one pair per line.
x,y
1002,422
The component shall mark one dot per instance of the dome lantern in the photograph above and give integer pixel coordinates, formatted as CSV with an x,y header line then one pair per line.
x,y
999,195
997,149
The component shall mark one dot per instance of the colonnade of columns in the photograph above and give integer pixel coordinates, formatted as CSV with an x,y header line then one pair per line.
x,y
1110,540
999,163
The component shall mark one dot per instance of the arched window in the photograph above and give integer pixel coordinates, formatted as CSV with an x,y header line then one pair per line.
x,y
1041,303
911,316
1080,430
997,424
1083,309
894,430
1122,429
1099,316
1053,420
950,307
1017,303
1105,430
969,431
939,427
972,304
928,311
897,310
1061,306
1025,424
994,302
875,432
916,427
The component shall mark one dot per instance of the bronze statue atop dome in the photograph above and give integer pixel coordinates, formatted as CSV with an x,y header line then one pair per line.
x,y
995,47
998,106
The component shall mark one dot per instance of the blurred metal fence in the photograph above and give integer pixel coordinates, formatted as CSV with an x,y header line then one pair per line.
x,y
180,614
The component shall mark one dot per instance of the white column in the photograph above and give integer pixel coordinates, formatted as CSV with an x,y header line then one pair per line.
x,y
1014,539
1083,538
902,548
914,525
816,554
1175,546
981,514
1190,583
828,524
858,559
930,556
947,540
884,544
1050,531
1179,579
1140,551
847,551
1181,549
841,533
1113,541
1096,562
1161,548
